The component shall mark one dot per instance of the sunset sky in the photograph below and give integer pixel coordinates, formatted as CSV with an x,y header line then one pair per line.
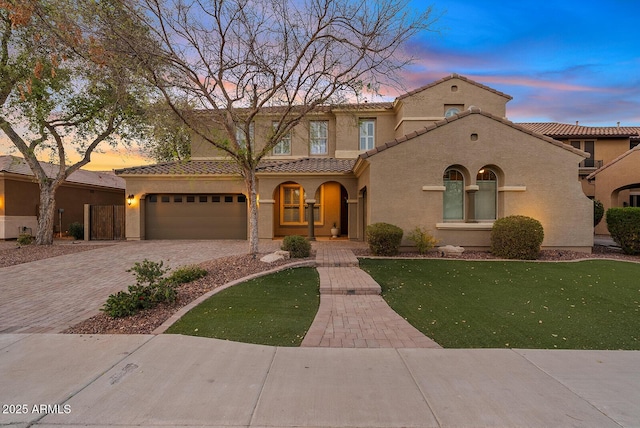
x,y
560,61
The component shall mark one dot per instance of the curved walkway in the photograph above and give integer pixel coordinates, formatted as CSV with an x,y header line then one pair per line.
x,y
352,314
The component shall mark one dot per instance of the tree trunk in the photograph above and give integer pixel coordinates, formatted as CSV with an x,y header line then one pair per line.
x,y
46,215
250,181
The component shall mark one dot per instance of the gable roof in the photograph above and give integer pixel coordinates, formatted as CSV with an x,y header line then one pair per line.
x,y
613,162
473,110
564,130
17,165
450,77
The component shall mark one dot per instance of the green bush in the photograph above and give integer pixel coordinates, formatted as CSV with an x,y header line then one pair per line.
x,y
423,239
624,227
384,239
297,246
598,212
25,239
517,237
186,274
151,288
76,230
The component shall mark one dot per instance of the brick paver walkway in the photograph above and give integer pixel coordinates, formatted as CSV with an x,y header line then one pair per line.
x,y
50,295
352,314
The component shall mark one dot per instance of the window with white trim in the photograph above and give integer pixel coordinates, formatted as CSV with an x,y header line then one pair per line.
x,y
318,137
241,135
367,134
283,148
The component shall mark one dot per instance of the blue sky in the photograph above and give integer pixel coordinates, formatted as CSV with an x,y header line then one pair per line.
x,y
560,61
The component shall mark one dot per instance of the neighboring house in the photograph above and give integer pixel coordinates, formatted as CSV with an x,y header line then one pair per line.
x,y
20,195
442,157
611,173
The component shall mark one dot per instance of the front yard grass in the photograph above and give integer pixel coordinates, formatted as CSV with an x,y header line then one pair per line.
x,y
276,310
495,304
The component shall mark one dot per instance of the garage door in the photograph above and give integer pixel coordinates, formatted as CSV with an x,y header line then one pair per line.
x,y
196,216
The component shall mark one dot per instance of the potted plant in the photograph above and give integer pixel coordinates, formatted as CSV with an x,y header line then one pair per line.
x,y
335,231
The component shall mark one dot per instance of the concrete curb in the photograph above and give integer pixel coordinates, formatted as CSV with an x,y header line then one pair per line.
x,y
176,316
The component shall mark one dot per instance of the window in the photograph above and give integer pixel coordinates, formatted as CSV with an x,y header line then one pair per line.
x,y
177,199
215,199
164,198
191,199
453,202
153,198
241,135
486,197
367,134
283,147
318,137
450,110
203,199
294,210
228,198
242,199
589,147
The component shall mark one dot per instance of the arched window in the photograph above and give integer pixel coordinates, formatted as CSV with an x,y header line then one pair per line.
x,y
451,111
487,195
453,202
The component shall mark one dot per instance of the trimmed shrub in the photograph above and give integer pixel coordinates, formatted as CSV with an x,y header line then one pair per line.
x,y
517,237
384,239
297,246
150,289
624,227
76,230
598,212
25,239
186,274
423,239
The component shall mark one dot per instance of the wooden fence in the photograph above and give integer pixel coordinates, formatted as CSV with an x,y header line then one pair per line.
x,y
107,222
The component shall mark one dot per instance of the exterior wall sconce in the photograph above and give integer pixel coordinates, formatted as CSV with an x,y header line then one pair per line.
x,y
130,199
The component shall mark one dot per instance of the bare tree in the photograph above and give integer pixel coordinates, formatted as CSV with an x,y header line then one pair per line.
x,y
61,89
236,58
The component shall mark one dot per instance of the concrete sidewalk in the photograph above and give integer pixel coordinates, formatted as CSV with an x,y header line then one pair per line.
x,y
169,380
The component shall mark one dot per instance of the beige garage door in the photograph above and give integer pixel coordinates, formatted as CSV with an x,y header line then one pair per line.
x,y
196,217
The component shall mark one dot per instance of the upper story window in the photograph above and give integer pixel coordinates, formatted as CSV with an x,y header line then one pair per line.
x,y
318,137
451,110
241,136
284,145
367,134
589,147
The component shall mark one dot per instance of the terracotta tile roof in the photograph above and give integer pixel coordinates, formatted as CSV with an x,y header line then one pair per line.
x,y
192,167
459,116
17,165
560,130
454,76
613,162
310,165
229,167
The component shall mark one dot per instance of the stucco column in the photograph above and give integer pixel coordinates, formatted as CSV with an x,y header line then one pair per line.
x,y
471,204
352,206
312,225
265,219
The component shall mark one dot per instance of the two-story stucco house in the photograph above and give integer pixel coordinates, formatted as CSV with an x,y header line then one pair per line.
x,y
442,157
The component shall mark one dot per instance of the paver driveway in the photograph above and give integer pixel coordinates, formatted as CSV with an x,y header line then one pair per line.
x,y
53,294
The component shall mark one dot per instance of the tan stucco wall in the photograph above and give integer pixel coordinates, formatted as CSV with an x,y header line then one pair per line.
x,y
537,178
612,182
425,107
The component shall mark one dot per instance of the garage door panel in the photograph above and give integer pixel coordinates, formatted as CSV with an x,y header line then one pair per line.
x,y
196,220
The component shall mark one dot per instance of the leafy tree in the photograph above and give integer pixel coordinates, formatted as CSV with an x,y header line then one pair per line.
x,y
63,86
236,59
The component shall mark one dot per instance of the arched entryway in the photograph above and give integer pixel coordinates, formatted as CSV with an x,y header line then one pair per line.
x,y
292,208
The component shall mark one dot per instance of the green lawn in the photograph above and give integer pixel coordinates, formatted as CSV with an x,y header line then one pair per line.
x,y
272,310
465,304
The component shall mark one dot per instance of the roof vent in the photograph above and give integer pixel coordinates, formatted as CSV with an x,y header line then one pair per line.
x,y
618,124
577,123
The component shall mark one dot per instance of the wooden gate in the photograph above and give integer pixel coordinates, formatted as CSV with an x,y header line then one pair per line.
x,y
107,222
